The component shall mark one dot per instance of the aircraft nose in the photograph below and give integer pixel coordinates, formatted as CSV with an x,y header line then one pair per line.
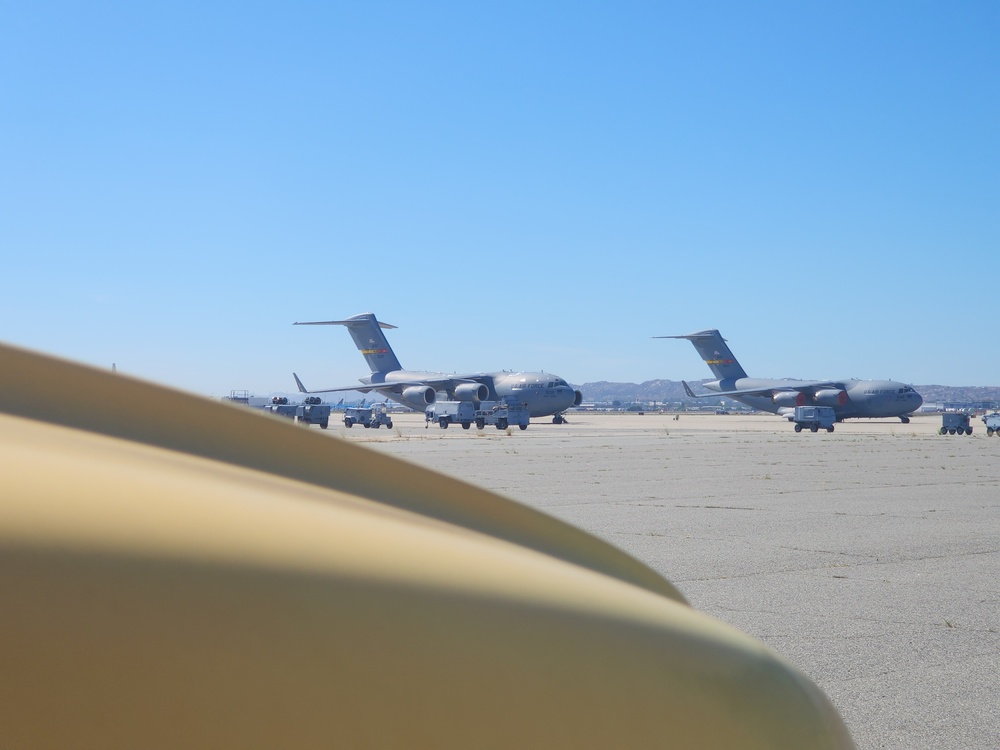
x,y
565,397
569,397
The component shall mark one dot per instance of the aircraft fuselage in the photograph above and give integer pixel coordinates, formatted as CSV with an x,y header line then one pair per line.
x,y
850,399
542,393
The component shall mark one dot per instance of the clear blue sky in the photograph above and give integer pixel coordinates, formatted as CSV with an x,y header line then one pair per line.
x,y
516,185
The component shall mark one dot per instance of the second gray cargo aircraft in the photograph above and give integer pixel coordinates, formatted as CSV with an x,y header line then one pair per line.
x,y
542,393
849,398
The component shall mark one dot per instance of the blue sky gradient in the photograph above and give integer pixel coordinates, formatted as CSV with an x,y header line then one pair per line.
x,y
515,185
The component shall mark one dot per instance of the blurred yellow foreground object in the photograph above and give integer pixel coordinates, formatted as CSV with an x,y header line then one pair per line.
x,y
182,573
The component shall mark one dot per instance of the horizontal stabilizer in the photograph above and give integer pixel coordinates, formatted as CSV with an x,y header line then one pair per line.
x,y
716,353
692,336
341,323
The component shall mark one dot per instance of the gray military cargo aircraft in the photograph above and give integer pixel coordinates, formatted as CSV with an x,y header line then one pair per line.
x,y
543,394
849,398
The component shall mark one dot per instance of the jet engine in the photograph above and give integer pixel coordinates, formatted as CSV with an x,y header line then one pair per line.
x,y
577,398
789,398
830,397
471,392
419,396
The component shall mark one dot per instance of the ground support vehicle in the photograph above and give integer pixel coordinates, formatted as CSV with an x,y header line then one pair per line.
x,y
502,414
312,411
367,416
814,417
279,405
992,422
357,415
451,412
952,423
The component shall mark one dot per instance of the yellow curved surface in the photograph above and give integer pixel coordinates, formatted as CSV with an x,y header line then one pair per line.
x,y
154,595
72,395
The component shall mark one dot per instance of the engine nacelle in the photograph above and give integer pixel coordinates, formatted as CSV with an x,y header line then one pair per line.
x,y
419,396
830,397
471,392
577,398
789,398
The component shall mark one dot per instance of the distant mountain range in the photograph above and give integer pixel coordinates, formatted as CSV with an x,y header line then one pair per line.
x,y
671,391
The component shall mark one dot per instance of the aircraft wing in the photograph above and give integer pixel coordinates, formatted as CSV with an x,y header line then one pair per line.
x,y
803,385
436,383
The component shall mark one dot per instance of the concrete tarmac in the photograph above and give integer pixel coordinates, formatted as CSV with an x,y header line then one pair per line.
x,y
869,556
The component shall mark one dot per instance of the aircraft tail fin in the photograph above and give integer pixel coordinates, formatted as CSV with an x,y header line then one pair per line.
x,y
714,350
366,331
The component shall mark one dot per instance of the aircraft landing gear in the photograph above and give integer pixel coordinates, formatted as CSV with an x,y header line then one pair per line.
x,y
558,419
904,420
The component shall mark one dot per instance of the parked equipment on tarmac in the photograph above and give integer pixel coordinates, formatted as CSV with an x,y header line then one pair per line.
x,y
311,411
992,422
502,414
451,412
953,422
367,416
814,417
